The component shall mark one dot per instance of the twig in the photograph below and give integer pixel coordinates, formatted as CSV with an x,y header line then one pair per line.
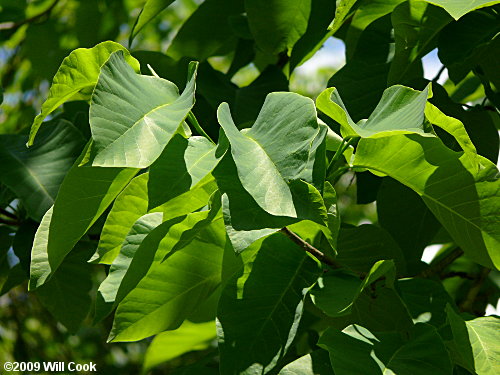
x,y
310,249
463,275
6,213
466,305
438,267
438,75
16,25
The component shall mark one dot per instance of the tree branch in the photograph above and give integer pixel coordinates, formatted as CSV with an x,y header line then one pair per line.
x,y
438,267
468,303
310,249
36,17
6,213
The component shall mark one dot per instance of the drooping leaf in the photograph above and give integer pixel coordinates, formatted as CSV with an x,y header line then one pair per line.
x,y
183,164
260,308
77,77
169,345
476,342
151,9
416,27
133,117
207,30
161,302
463,199
458,8
83,196
277,24
108,289
35,174
356,350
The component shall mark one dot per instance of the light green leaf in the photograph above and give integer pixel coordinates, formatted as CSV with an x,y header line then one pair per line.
x,y
133,117
316,363
35,174
84,195
129,206
338,290
108,289
356,350
277,24
416,27
187,338
77,77
465,201
178,280
260,308
400,109
151,9
342,11
476,342
183,164
458,8
207,30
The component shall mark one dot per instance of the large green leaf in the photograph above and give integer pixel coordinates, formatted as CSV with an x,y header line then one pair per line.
x,y
277,24
133,117
400,109
77,77
357,351
150,10
35,174
475,342
169,345
265,159
108,289
337,291
260,308
207,30
464,200
67,294
84,195
458,8
179,279
129,206
416,27
183,164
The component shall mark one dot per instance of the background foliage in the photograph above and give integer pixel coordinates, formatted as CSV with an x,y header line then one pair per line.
x,y
161,237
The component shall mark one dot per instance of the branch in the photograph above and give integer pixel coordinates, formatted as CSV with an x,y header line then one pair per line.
x,y
467,304
16,25
438,75
310,249
438,267
6,213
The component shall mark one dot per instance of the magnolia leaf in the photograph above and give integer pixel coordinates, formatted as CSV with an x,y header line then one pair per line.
x,y
133,117
464,200
35,174
151,9
77,77
458,8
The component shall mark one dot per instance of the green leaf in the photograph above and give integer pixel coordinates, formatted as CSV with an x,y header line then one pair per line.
x,y
133,117
476,342
311,364
187,338
400,109
464,200
151,9
284,116
458,8
337,291
277,24
343,10
130,205
84,195
35,174
183,164
66,294
108,289
356,350
260,308
207,30
416,27
175,284
77,77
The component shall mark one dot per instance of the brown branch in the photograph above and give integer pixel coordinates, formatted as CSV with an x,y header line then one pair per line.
x,y
474,290
310,249
438,267
36,17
